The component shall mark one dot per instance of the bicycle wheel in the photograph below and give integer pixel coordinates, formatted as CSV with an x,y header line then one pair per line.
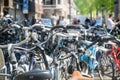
x,y
63,73
105,67
72,65
60,70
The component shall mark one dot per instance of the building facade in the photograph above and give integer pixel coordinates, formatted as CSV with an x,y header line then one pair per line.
x,y
1,8
52,6
116,8
37,8
5,6
16,8
59,7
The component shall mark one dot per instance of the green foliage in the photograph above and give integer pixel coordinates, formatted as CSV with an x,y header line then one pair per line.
x,y
86,6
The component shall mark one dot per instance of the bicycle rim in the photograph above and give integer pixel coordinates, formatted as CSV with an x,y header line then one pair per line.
x,y
105,67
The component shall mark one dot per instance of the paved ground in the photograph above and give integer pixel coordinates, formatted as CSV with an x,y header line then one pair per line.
x,y
106,78
98,78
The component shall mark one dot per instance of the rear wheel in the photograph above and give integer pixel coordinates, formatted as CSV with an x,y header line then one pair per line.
x,y
60,72
72,65
106,67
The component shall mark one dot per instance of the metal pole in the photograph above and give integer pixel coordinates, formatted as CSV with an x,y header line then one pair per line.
x,y
116,8
69,11
103,14
102,17
0,8
15,10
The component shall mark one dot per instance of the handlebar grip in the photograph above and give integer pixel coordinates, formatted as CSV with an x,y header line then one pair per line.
x,y
73,27
16,25
56,27
38,25
35,36
13,59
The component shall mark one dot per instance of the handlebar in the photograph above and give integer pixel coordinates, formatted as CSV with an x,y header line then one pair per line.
x,y
59,34
16,44
85,30
37,24
74,27
57,27
10,47
117,39
101,40
28,50
16,25
39,43
28,39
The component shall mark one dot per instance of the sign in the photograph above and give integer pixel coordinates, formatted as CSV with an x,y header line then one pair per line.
x,y
46,22
98,23
25,6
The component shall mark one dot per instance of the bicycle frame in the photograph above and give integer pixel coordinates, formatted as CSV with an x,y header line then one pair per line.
x,y
91,59
114,51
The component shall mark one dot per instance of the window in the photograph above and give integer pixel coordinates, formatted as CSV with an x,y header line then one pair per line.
x,y
6,3
59,1
69,1
48,2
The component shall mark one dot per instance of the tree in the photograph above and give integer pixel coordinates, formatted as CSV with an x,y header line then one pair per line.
x,y
87,6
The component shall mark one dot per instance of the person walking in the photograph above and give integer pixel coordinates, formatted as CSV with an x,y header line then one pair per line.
x,y
54,19
79,22
33,21
111,24
87,21
75,21
62,22
93,21
118,25
58,21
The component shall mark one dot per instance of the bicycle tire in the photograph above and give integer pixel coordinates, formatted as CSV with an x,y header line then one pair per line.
x,y
109,67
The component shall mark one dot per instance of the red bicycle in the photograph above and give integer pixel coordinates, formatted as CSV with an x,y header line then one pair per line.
x,y
114,54
109,62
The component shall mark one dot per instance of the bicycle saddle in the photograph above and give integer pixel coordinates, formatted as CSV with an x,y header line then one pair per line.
x,y
35,74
